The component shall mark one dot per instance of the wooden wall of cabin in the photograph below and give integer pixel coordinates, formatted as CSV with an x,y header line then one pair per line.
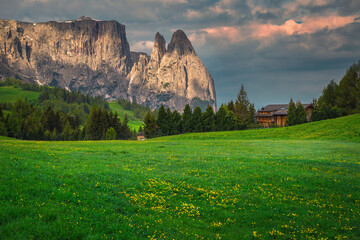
x,y
280,120
265,121
308,113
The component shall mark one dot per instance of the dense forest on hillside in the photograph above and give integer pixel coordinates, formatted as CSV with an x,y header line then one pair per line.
x,y
58,114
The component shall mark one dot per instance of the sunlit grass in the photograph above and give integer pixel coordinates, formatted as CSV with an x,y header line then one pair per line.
x,y
11,94
134,123
257,184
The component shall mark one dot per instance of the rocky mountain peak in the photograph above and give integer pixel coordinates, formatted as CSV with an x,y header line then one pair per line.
x,y
86,18
94,57
180,43
159,48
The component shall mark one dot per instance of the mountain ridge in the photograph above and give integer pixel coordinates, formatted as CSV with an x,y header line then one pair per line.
x,y
94,57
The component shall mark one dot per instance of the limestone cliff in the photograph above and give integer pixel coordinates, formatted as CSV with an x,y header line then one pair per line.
x,y
173,77
94,57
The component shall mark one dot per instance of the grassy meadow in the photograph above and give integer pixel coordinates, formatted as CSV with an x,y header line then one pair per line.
x,y
134,123
11,94
300,182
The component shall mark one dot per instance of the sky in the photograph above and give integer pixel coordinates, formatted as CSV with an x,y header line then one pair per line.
x,y
278,49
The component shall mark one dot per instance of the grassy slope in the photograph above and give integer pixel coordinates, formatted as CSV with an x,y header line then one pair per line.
x,y
253,184
134,123
345,128
11,94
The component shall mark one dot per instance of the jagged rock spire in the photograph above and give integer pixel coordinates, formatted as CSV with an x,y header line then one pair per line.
x,y
158,50
180,43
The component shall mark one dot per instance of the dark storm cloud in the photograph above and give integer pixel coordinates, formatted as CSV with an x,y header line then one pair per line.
x,y
277,48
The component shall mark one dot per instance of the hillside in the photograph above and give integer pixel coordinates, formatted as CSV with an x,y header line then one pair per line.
x,y
299,182
9,94
343,128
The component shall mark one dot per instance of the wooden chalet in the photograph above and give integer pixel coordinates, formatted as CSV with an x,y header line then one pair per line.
x,y
276,114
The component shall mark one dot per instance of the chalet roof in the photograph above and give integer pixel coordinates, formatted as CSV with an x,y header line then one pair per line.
x,y
273,107
276,110
282,112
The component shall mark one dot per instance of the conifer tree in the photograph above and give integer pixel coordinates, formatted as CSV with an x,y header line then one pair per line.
x,y
242,104
230,123
162,121
176,123
250,119
197,120
187,119
169,122
116,124
220,119
125,130
348,97
300,113
150,126
231,106
291,114
67,132
209,120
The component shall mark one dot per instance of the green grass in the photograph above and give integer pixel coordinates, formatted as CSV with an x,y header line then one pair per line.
x,y
134,123
300,182
11,94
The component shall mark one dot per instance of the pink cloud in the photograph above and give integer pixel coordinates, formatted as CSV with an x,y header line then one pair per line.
x,y
232,34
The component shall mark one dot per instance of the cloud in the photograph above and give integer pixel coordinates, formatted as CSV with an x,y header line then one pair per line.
x,y
260,31
142,46
308,25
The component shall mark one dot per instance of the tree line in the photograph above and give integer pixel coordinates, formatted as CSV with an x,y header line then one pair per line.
x,y
339,99
60,100
59,114
29,122
231,116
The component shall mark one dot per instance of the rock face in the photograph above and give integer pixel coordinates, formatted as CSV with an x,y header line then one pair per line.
x,y
94,57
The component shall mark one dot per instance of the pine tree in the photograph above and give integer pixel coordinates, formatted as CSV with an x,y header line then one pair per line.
x,y
242,104
291,114
176,121
220,119
93,127
125,130
162,121
197,120
230,122
169,122
348,97
329,94
209,120
67,132
187,119
150,126
250,119
300,113
231,106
